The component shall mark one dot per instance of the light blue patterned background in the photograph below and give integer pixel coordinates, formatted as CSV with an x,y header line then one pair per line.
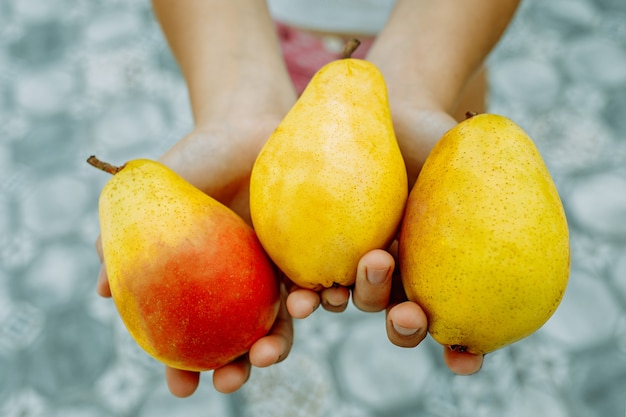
x,y
81,77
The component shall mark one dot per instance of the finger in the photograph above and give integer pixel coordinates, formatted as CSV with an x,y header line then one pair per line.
x,y
99,249
406,324
462,363
229,378
373,281
181,383
301,302
102,286
274,347
335,299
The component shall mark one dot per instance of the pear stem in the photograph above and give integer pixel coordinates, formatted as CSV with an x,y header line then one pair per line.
x,y
350,47
104,166
469,114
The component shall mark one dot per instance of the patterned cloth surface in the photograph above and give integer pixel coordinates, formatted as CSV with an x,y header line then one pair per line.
x,y
96,77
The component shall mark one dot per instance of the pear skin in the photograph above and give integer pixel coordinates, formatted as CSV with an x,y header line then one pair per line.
x,y
484,243
188,276
330,183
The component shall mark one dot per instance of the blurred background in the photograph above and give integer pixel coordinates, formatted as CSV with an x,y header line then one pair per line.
x,y
96,77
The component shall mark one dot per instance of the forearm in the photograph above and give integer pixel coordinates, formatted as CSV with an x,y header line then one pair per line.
x,y
228,54
435,46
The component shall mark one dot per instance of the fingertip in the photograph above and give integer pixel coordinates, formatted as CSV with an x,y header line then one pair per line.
x,y
375,268
301,303
229,378
268,351
102,285
373,281
406,324
335,299
98,245
181,383
462,363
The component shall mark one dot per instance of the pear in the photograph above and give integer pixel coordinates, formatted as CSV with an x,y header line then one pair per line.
x,y
330,183
484,245
188,276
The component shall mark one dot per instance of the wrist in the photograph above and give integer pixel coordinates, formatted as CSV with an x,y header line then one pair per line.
x,y
437,47
253,101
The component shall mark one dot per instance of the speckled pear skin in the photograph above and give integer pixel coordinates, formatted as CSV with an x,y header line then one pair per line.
x,y
484,244
189,277
330,184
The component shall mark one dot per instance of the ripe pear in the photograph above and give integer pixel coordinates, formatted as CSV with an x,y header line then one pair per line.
x,y
330,183
484,245
188,276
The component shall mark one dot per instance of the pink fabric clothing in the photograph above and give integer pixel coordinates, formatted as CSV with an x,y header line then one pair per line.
x,y
305,53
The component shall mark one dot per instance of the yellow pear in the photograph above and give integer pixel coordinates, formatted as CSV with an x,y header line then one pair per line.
x,y
189,277
330,183
484,245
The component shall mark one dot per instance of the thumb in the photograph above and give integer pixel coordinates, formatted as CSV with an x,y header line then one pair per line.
x,y
102,286
372,286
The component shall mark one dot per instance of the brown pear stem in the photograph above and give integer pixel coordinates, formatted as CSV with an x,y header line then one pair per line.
x,y
104,166
350,47
469,114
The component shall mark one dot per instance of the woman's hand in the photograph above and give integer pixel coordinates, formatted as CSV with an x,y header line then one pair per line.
x,y
218,160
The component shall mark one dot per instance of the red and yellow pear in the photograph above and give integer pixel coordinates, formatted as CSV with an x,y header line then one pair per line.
x,y
189,277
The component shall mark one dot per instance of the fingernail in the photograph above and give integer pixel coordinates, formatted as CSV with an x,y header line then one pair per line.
x,y
376,276
335,308
404,331
334,303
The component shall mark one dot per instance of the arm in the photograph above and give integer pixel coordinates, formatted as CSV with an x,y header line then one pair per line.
x,y
436,46
432,54
238,86
229,55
